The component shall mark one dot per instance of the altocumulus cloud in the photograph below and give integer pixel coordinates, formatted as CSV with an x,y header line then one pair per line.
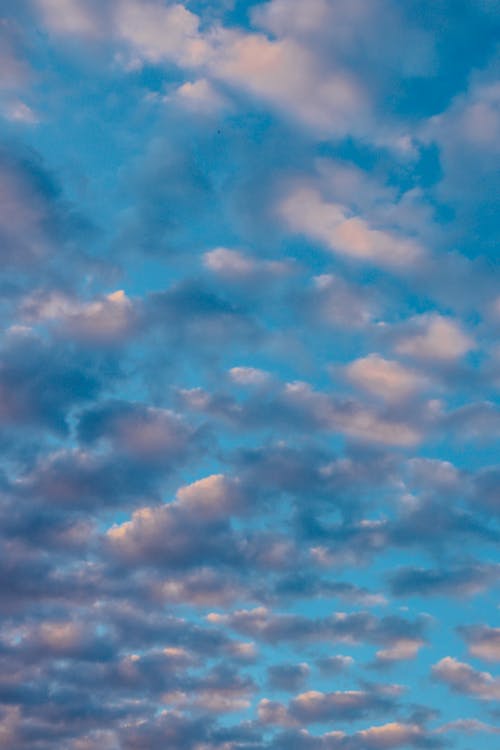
x,y
249,367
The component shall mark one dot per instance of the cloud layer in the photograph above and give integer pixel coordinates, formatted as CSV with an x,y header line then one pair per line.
x,y
249,373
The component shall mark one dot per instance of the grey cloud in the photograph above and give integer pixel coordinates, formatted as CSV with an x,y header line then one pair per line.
x,y
461,581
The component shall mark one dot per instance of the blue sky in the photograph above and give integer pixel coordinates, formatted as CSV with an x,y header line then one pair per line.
x,y
249,375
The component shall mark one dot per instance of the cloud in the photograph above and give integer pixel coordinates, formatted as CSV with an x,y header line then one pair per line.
x,y
151,436
335,664
462,678
238,266
18,111
435,338
317,707
79,479
306,212
334,302
406,648
298,405
474,421
282,72
289,677
262,624
482,641
40,383
191,313
465,581
385,378
468,726
247,373
289,77
158,33
31,219
106,321
204,587
464,133
193,529
391,735
15,69
248,376
349,417
200,97
70,16
382,737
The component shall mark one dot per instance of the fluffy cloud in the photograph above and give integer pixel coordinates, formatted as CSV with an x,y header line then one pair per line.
x,y
306,212
157,32
194,528
462,678
200,97
435,338
483,641
315,706
102,321
236,265
143,433
385,378
41,382
336,303
262,624
288,76
391,735
248,363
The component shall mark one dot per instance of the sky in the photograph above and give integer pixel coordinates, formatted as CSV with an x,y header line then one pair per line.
x,y
249,372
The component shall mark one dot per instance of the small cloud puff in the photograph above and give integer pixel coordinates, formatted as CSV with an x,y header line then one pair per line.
x,y
436,338
482,641
306,212
237,265
199,96
249,376
385,378
462,678
106,320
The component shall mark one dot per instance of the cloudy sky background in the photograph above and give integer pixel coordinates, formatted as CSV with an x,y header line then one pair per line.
x,y
248,375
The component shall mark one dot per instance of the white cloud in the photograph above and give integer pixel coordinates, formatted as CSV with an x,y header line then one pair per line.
x,y
275,713
484,642
339,303
215,495
435,338
235,264
390,735
249,376
292,17
305,211
161,32
472,121
384,377
287,74
228,262
199,96
289,77
70,16
401,650
18,111
462,678
350,418
103,320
